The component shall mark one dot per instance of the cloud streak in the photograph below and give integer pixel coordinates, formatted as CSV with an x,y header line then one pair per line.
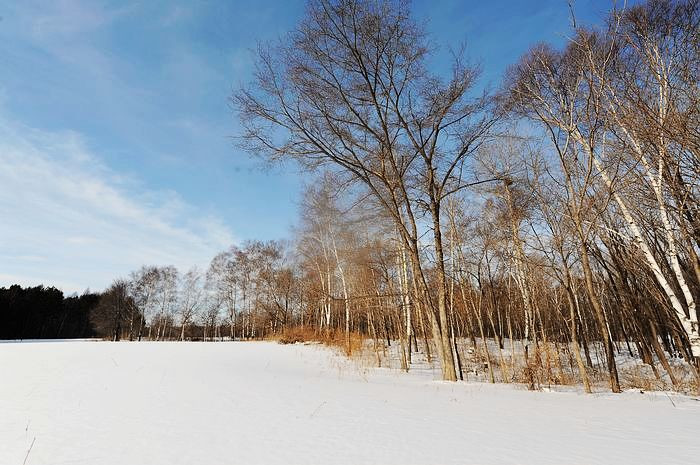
x,y
68,220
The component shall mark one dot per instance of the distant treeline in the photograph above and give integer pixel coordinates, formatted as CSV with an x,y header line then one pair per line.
x,y
45,313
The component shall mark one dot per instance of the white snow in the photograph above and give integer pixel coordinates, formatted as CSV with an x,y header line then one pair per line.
x,y
264,403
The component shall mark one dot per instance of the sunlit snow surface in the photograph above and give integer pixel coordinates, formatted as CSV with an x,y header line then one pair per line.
x,y
264,403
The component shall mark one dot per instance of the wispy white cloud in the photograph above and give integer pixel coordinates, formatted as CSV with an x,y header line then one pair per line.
x,y
95,91
69,220
65,18
174,15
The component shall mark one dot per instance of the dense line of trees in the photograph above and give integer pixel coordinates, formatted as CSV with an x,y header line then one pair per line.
x,y
44,313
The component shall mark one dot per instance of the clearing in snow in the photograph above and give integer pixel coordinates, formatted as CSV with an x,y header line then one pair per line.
x,y
265,403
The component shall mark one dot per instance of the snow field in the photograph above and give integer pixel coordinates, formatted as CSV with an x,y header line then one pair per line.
x,y
264,403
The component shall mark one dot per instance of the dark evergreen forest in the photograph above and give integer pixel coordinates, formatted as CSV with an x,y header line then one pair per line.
x,y
45,313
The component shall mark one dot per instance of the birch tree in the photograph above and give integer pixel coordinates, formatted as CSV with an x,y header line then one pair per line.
x,y
190,298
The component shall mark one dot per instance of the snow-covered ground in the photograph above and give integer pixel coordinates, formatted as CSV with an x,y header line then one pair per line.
x,y
633,372
258,402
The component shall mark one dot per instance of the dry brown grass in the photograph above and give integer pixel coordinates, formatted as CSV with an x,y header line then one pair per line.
x,y
641,377
546,366
334,338
297,334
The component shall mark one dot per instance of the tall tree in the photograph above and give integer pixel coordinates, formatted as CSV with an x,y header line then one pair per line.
x,y
350,86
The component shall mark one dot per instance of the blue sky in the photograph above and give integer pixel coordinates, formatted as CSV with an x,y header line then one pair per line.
x,y
116,135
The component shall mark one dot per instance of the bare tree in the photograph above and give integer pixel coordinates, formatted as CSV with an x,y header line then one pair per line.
x,y
142,288
112,313
350,87
190,298
166,300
